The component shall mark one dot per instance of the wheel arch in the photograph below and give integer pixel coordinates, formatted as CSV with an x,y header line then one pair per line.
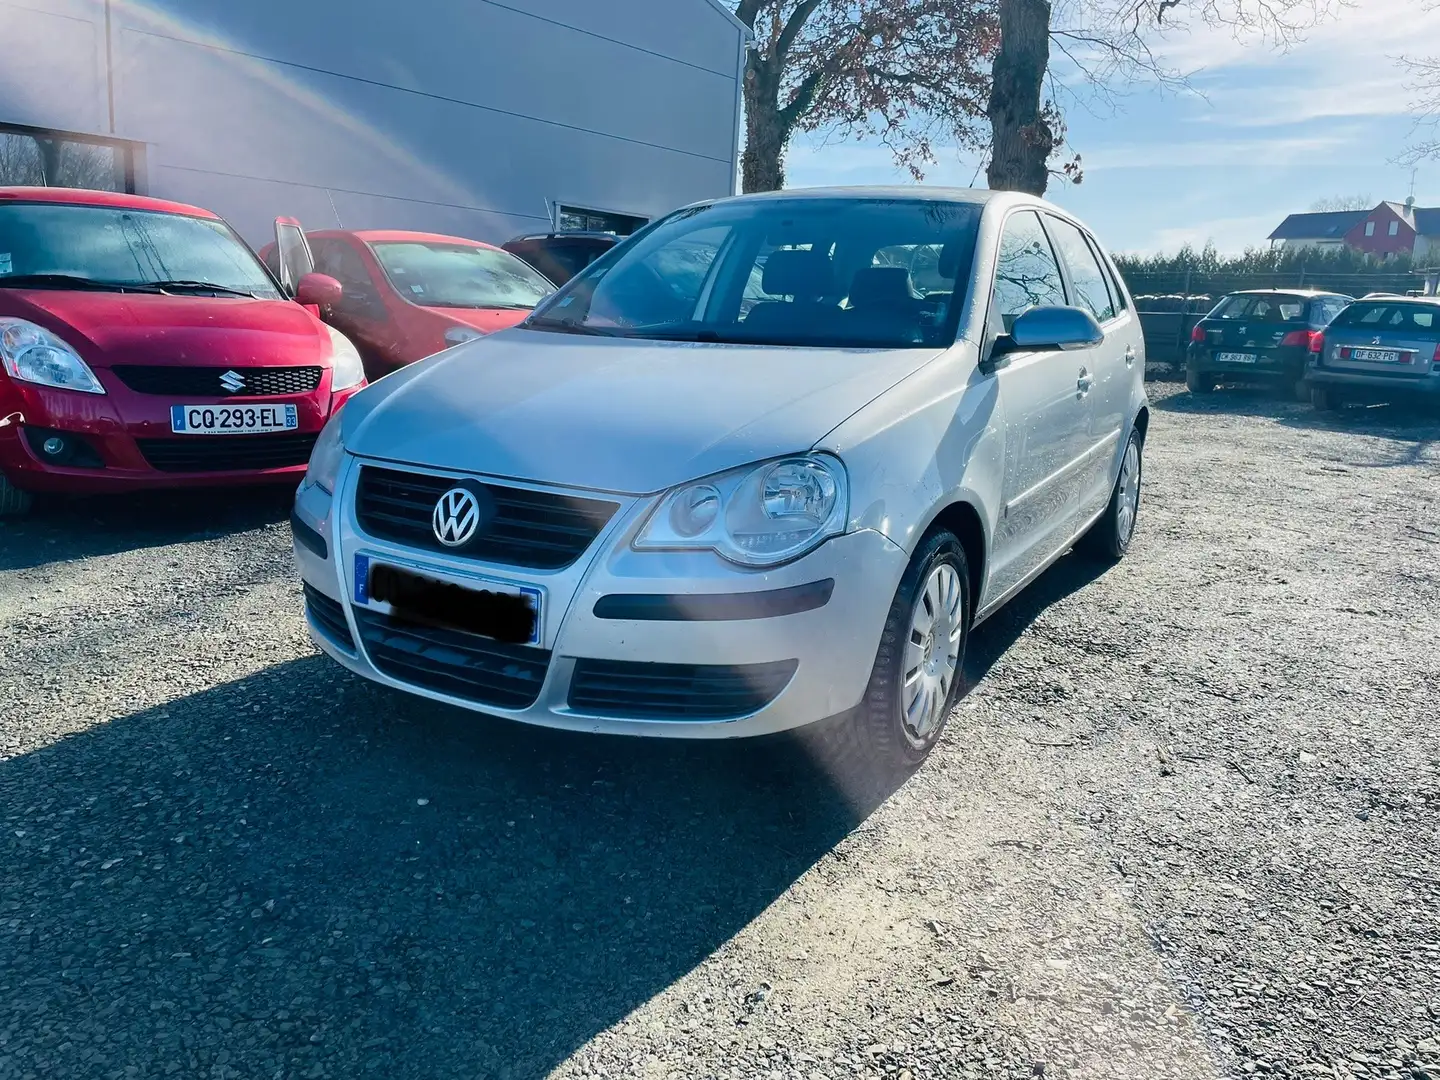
x,y
963,520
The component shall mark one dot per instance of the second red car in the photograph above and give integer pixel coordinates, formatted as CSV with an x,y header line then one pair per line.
x,y
409,295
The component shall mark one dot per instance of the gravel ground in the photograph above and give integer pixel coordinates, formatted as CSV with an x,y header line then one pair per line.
x,y
1184,825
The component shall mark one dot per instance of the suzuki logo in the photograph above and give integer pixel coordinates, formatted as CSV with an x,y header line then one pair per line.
x,y
456,517
233,381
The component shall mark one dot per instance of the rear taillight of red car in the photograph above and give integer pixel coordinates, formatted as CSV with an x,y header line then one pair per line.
x,y
1304,339
1197,335
1317,341
1435,360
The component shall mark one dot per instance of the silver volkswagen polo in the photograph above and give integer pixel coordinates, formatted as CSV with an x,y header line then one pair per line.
x,y
767,463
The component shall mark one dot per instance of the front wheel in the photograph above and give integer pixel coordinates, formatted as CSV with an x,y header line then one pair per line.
x,y
13,501
918,673
1109,538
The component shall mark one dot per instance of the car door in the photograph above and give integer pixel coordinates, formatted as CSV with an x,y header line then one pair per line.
x,y
1110,365
1046,412
292,253
361,315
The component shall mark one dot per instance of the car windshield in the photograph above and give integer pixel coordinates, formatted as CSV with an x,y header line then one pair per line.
x,y
113,247
1368,315
1265,309
840,273
461,275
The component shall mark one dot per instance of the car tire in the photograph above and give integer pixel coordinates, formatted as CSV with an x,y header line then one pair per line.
x,y
13,501
1301,389
1199,382
1109,538
1324,398
872,748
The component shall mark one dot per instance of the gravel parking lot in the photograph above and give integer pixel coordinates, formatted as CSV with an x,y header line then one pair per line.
x,y
1185,823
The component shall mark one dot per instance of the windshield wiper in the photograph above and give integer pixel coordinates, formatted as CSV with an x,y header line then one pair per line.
x,y
570,326
201,286
71,281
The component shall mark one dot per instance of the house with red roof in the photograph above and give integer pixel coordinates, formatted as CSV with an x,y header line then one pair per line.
x,y
1389,229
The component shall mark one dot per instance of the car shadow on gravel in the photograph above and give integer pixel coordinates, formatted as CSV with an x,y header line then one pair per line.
x,y
61,529
994,637
302,874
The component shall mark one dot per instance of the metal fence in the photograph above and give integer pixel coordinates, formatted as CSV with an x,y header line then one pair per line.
x,y
1171,303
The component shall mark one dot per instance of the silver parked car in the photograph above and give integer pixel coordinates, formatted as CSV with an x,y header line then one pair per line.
x,y
1380,346
766,463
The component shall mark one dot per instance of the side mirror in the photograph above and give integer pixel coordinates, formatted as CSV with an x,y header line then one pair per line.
x,y
318,290
1043,329
1056,327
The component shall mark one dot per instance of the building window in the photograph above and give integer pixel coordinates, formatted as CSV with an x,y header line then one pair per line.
x,y
1369,228
39,157
578,219
1394,228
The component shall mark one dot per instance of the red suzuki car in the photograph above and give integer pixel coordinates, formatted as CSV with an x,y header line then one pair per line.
x,y
409,295
142,344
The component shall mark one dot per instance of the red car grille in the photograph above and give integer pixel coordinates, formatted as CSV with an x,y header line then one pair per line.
x,y
211,382
226,453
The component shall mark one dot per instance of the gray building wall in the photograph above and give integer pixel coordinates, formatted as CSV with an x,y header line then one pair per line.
x,y
473,117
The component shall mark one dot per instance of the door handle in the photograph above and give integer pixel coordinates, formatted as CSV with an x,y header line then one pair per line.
x,y
1129,355
1085,382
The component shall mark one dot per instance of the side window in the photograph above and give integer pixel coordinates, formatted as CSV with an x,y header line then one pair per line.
x,y
1091,290
1026,273
343,263
1117,294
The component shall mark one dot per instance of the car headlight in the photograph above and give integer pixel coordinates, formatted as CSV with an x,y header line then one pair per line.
x,y
458,335
33,354
345,359
327,457
758,515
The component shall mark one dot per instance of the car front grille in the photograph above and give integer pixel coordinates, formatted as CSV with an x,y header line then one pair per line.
x,y
676,691
451,662
226,453
537,529
218,382
329,616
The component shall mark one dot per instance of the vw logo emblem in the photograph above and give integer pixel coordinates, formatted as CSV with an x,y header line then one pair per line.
x,y
456,517
232,381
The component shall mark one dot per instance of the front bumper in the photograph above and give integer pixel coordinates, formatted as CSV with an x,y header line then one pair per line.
x,y
112,427
830,644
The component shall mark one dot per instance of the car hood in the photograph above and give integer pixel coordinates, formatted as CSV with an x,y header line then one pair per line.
x,y
615,415
143,328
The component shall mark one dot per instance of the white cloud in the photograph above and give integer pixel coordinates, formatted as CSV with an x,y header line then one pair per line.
x,y
1230,235
1250,152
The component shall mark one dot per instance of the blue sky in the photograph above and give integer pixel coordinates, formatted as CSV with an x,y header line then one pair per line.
x,y
1263,132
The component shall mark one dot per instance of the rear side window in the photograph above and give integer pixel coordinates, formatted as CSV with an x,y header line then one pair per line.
x,y
1373,316
1091,290
1264,309
1026,273
1325,310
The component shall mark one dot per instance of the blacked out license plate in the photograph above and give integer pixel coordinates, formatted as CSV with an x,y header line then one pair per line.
x,y
491,609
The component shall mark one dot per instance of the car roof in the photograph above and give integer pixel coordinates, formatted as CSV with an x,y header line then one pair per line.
x,y
1307,293
905,192
115,199
398,236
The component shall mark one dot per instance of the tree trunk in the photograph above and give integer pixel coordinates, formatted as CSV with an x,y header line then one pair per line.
x,y
1021,138
762,166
